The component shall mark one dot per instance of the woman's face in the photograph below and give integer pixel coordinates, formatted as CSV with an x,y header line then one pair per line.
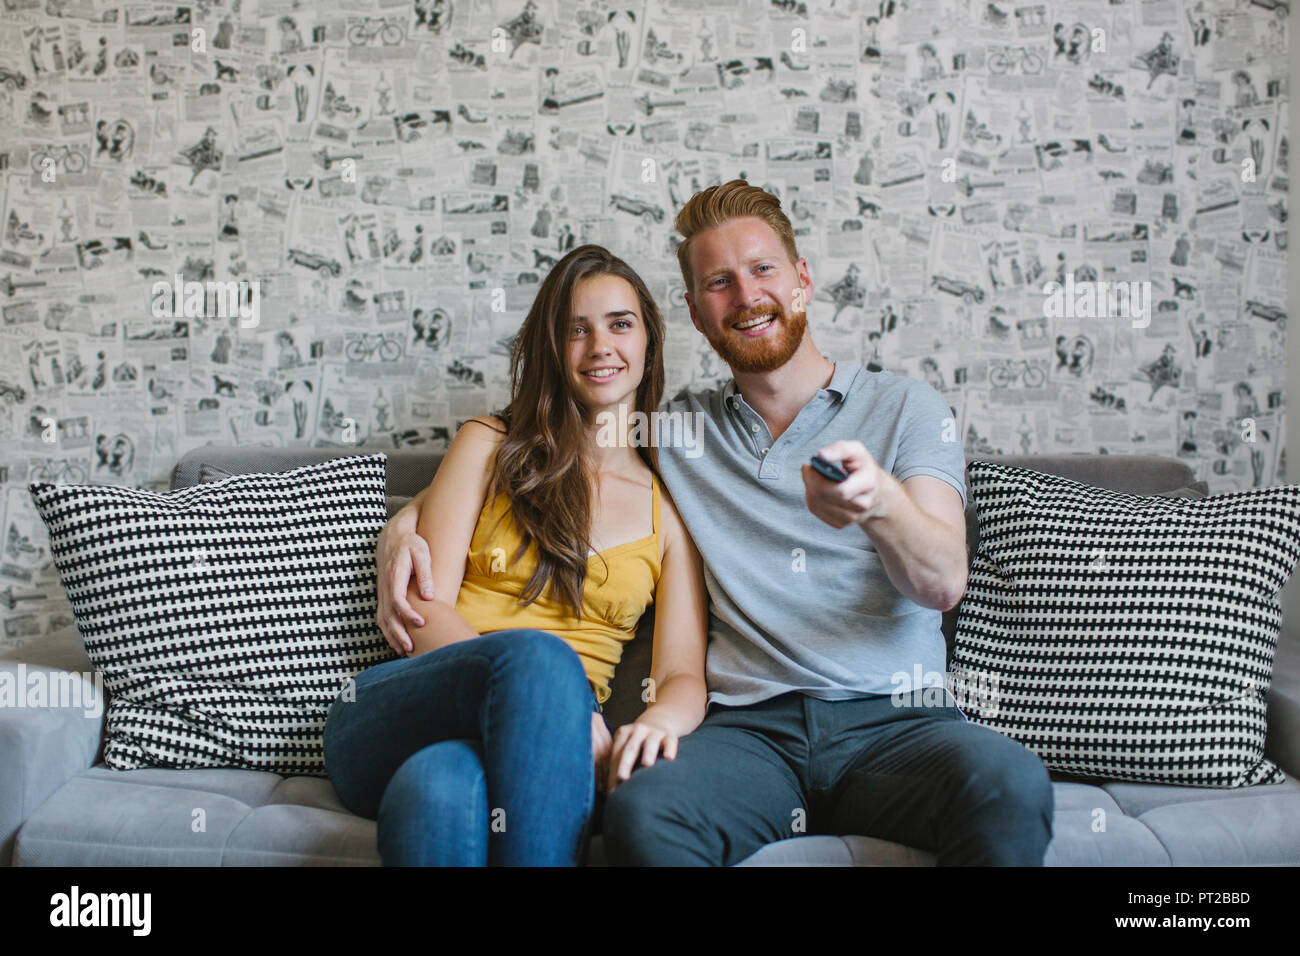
x,y
607,343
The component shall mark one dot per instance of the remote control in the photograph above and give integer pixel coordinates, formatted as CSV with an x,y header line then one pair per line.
x,y
828,468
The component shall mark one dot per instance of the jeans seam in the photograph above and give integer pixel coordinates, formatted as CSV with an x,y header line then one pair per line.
x,y
589,803
812,747
481,781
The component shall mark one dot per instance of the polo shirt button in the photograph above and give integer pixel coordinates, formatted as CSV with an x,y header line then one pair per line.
x,y
753,428
763,452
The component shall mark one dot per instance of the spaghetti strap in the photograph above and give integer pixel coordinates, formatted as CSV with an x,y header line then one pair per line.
x,y
654,481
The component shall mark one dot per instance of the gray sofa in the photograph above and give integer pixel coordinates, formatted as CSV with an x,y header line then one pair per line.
x,y
59,804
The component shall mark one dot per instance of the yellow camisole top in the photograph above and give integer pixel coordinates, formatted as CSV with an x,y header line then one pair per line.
x,y
620,585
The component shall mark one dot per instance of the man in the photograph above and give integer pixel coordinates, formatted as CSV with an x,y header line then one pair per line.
x,y
825,597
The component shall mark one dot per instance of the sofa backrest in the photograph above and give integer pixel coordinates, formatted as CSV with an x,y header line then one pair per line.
x,y
411,470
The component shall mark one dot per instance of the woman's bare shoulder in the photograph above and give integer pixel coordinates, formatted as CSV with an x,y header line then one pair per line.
x,y
492,428
672,529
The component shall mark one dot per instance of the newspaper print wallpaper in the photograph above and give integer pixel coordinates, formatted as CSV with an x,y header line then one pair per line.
x,y
1070,218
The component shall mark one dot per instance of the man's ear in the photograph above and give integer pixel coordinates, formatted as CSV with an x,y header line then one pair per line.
x,y
805,274
691,306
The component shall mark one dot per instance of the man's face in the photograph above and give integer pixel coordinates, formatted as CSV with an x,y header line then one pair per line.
x,y
749,301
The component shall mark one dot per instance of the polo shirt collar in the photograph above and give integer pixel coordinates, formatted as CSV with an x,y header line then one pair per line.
x,y
840,381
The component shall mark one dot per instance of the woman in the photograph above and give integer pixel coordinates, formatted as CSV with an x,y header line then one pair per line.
x,y
547,541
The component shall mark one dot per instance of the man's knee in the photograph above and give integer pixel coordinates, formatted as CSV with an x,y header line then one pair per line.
x,y
1003,804
1025,774
1011,776
633,813
648,819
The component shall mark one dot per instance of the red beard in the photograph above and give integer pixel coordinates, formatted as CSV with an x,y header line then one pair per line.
x,y
763,354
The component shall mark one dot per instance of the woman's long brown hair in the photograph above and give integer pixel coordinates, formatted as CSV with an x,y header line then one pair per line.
x,y
540,467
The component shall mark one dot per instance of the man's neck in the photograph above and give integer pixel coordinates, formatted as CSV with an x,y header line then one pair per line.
x,y
779,395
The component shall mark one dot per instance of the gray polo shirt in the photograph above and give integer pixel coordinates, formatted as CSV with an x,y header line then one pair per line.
x,y
796,605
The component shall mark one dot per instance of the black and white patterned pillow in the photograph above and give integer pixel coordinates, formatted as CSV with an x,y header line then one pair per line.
x,y
1125,636
225,617
209,472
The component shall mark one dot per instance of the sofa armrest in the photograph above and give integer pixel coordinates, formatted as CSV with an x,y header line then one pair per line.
x,y
51,724
1283,745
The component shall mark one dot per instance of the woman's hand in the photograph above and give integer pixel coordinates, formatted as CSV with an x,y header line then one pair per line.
x,y
601,744
643,739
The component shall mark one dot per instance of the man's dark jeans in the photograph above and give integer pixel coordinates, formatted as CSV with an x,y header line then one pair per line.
x,y
918,775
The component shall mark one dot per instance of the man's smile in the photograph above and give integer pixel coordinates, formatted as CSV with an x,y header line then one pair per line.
x,y
756,325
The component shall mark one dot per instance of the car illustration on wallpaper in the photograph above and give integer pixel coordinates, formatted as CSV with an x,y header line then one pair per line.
x,y
12,79
311,260
637,207
970,294
1269,313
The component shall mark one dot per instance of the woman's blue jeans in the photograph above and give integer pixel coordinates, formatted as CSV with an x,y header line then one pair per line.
x,y
476,753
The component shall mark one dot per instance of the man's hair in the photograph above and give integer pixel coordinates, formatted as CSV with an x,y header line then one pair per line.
x,y
716,205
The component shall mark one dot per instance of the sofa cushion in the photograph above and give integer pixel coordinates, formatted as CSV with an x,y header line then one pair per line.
x,y
208,817
1124,636
1135,799
1260,831
226,616
106,817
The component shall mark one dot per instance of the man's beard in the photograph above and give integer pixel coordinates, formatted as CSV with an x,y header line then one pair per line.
x,y
764,354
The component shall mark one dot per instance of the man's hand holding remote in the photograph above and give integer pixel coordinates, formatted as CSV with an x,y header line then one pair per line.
x,y
867,491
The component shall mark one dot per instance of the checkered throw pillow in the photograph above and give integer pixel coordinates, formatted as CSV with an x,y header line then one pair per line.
x,y
1124,636
225,617
209,472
